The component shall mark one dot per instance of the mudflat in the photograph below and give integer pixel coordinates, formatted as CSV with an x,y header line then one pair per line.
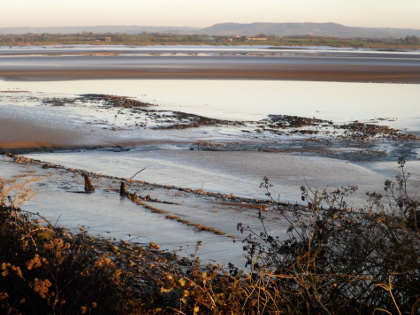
x,y
16,133
344,73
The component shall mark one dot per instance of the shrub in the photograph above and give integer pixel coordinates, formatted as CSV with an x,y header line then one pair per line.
x,y
46,270
337,259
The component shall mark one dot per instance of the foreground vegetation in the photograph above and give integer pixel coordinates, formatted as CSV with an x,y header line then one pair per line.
x,y
409,42
335,260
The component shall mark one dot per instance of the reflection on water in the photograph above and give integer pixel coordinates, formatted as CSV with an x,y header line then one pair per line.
x,y
252,100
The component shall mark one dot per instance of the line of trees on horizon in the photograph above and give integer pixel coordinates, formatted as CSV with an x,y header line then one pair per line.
x,y
200,39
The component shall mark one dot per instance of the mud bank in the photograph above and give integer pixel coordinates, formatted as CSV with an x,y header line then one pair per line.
x,y
326,73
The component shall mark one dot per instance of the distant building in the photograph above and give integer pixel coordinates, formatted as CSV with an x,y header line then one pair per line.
x,y
257,38
237,38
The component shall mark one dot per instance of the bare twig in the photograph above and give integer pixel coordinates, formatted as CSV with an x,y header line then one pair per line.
x,y
132,177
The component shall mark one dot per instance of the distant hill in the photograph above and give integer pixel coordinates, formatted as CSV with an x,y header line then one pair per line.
x,y
313,29
232,29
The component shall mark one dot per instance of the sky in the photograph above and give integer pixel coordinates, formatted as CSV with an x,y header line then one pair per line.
x,y
201,13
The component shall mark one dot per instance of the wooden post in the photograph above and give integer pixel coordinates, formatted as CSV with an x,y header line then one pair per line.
x,y
123,189
89,188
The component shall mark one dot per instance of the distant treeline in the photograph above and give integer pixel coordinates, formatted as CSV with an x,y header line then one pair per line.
x,y
408,42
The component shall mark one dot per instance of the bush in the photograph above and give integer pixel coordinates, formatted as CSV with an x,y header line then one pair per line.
x,y
46,270
337,259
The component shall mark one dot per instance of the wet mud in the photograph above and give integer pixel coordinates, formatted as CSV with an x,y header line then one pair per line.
x,y
354,141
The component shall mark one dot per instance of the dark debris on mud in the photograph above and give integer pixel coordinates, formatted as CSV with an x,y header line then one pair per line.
x,y
114,100
287,121
363,131
167,119
181,120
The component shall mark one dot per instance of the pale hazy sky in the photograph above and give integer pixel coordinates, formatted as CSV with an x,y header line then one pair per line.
x,y
381,13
